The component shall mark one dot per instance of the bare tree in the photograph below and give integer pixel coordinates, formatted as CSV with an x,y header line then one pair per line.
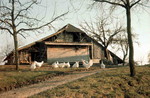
x,y
16,18
127,5
122,42
103,31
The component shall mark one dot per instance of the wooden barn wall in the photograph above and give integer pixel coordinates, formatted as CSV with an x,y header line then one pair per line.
x,y
67,53
24,57
27,56
69,37
98,53
64,37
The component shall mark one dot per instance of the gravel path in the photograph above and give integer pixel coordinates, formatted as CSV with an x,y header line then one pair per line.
x,y
48,84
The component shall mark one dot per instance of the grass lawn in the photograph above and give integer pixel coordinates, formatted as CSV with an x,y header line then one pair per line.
x,y
10,78
114,83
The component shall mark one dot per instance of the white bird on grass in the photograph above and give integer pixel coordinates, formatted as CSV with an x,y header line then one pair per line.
x,y
102,64
67,65
39,64
55,65
33,66
57,62
76,65
61,65
87,65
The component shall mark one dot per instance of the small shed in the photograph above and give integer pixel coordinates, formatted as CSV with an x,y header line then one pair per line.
x,y
69,44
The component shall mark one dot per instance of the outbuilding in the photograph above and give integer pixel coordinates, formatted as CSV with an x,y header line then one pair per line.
x,y
69,44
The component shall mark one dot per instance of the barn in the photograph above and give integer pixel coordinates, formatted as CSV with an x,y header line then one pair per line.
x,y
69,44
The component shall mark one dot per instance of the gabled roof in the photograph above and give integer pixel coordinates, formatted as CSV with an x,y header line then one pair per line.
x,y
71,28
68,28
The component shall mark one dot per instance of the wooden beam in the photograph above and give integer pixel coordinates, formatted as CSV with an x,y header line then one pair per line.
x,y
78,44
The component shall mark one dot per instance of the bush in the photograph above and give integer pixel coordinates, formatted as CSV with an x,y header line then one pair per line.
x,y
106,62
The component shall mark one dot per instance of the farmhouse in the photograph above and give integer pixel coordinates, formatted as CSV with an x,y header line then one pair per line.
x,y
69,44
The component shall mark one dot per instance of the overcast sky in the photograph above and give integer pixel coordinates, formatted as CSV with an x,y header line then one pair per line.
x,y
78,12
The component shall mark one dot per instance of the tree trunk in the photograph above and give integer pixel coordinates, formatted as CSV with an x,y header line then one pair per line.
x,y
16,51
125,53
130,42
14,34
105,52
124,57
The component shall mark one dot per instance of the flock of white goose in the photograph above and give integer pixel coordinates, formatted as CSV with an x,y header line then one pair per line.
x,y
86,64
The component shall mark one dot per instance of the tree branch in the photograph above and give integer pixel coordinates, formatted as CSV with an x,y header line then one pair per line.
x,y
134,3
115,33
30,29
5,7
6,22
3,28
123,2
29,18
24,10
22,22
113,3
5,14
22,35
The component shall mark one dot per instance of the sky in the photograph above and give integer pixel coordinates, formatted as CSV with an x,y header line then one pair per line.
x,y
80,12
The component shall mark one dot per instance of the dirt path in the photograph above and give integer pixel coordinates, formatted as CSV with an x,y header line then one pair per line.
x,y
48,84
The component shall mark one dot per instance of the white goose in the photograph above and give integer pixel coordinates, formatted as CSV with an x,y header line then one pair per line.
x,y
76,65
61,65
33,66
67,65
39,64
87,65
55,65
102,64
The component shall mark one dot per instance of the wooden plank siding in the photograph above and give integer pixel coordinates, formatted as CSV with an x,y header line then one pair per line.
x,y
24,57
67,53
98,53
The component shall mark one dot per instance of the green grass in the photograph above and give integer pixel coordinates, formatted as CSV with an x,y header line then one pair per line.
x,y
10,78
114,83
